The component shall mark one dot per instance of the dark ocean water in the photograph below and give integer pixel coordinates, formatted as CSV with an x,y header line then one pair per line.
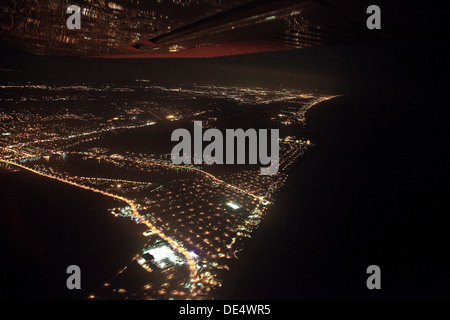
x,y
369,192
47,226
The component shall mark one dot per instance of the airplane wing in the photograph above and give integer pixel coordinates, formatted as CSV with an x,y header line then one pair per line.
x,y
198,28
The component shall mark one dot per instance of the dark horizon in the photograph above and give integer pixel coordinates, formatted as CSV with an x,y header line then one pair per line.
x,y
334,69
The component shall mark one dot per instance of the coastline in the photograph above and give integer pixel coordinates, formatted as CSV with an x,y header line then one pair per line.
x,y
357,198
73,227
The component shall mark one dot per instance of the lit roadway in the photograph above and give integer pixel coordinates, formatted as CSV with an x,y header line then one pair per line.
x,y
84,134
260,198
20,152
190,260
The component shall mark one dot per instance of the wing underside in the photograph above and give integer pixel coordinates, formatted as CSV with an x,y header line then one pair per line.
x,y
188,29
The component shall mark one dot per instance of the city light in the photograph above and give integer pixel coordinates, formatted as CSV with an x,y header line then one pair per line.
x,y
233,205
196,217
